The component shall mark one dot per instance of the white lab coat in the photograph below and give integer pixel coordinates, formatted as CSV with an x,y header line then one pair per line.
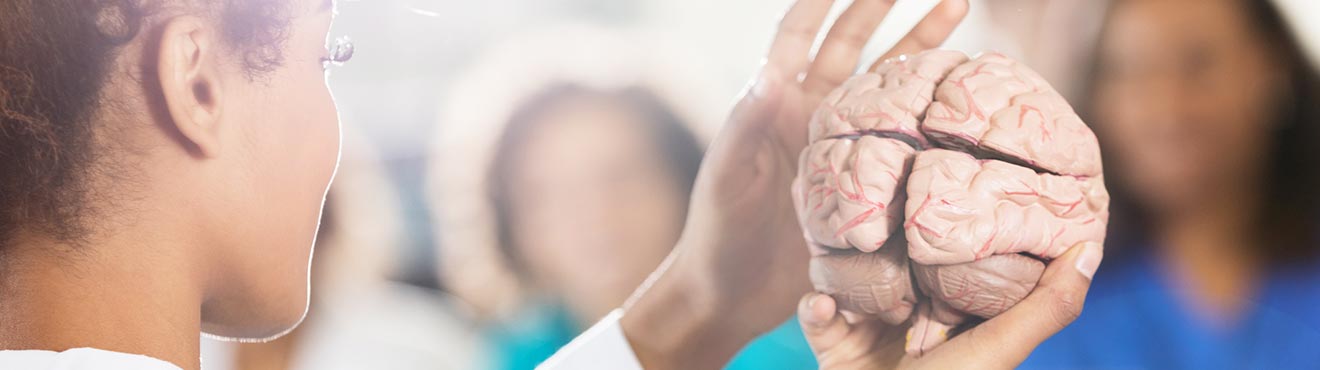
x,y
602,347
80,359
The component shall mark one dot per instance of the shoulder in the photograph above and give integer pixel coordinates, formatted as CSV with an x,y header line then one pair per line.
x,y
1124,299
1291,296
80,359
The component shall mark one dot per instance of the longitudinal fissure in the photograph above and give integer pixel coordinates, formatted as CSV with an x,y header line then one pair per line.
x,y
947,142
907,138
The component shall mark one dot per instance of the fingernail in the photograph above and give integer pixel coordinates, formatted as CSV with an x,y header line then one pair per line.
x,y
1089,261
809,316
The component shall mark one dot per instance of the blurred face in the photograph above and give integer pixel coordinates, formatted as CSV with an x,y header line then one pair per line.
x,y
285,151
595,204
1185,96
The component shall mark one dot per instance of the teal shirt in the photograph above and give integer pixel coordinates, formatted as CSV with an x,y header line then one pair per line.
x,y
540,332
781,348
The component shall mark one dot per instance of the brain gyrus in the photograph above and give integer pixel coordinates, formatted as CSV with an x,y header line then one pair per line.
x,y
936,187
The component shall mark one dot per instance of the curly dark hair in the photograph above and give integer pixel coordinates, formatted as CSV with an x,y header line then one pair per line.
x,y
55,56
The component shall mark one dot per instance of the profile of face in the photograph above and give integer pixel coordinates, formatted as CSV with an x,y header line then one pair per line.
x,y
594,205
264,147
1186,108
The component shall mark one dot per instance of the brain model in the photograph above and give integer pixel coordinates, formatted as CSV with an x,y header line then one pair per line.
x,y
935,188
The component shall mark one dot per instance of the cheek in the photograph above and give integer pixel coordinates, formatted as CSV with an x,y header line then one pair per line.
x,y
1118,113
549,246
311,135
324,126
1243,113
296,153
1142,145
1124,133
658,215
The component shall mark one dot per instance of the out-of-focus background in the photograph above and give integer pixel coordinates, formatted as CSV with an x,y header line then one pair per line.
x,y
513,168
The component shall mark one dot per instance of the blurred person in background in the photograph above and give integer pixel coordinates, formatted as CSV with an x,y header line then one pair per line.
x,y
357,318
513,73
586,169
588,189
1210,136
582,144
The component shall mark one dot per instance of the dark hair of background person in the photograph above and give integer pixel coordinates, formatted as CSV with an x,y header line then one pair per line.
x,y
1291,209
55,58
682,151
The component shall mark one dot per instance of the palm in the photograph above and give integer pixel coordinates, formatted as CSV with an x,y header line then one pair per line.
x,y
746,187
742,197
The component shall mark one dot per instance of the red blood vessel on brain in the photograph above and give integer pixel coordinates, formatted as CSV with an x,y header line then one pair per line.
x,y
935,188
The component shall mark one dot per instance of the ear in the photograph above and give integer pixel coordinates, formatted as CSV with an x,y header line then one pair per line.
x,y
189,75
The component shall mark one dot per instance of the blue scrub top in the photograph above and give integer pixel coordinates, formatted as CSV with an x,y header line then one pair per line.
x,y
1137,317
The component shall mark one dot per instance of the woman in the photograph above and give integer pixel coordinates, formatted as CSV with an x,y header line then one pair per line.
x,y
587,189
589,192
1211,135
164,169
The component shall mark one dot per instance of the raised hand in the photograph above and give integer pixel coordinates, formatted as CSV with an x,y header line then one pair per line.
x,y
742,261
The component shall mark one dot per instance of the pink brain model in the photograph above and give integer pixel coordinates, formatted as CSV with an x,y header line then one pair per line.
x,y
935,188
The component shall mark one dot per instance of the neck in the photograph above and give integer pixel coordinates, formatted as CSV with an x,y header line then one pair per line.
x,y
274,355
1212,252
131,297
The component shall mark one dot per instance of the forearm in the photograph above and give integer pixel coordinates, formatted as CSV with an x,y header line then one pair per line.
x,y
683,322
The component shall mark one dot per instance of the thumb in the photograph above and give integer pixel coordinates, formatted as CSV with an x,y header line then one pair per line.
x,y
821,322
1006,340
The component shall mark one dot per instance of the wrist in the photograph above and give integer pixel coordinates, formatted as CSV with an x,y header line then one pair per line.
x,y
680,322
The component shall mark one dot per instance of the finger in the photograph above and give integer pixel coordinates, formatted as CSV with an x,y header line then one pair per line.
x,y
841,51
821,323
1006,340
931,32
789,52
926,332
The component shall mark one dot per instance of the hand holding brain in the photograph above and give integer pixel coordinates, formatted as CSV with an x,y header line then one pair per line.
x,y
934,187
